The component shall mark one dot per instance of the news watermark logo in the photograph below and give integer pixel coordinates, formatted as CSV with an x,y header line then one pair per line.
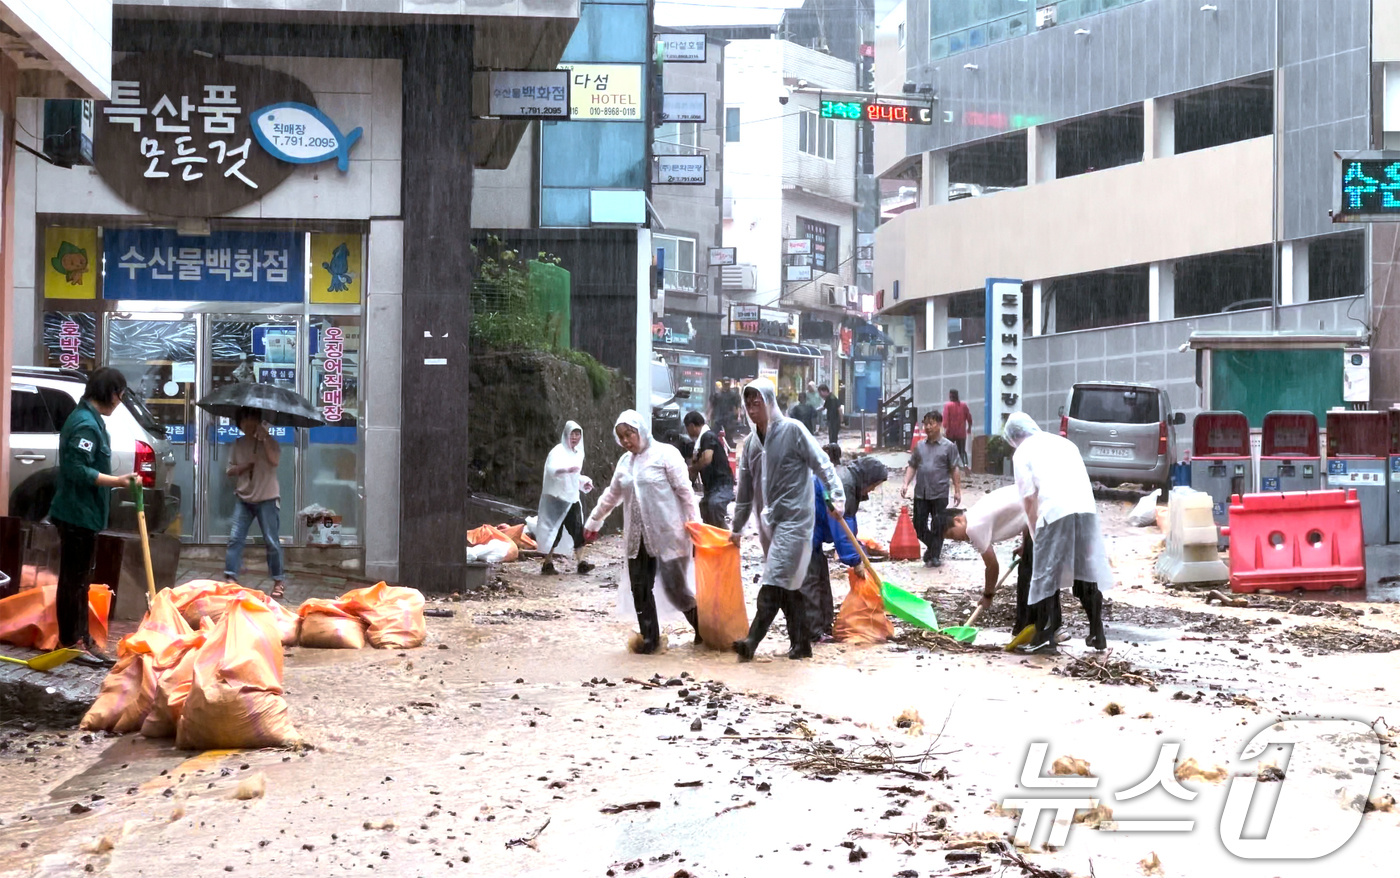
x,y
1319,774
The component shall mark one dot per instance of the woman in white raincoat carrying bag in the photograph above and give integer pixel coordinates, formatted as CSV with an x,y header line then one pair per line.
x,y
652,484
560,514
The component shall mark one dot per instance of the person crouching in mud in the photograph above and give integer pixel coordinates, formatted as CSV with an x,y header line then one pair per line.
x,y
652,485
774,481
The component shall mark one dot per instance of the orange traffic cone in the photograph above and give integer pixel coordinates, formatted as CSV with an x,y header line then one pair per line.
x,y
904,545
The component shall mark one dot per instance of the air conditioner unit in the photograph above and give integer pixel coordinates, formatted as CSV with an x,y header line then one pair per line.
x,y
1046,17
741,278
829,291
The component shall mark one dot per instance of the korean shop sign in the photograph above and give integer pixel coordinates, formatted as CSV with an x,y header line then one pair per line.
x,y
1004,354
684,47
178,137
605,92
529,94
158,264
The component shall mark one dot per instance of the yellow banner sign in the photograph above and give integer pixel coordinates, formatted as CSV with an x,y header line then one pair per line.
x,y
72,261
337,273
605,92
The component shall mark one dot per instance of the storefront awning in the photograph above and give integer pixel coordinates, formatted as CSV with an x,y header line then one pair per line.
x,y
740,344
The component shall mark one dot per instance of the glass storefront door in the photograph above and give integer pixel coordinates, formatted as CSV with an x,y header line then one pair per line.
x,y
255,349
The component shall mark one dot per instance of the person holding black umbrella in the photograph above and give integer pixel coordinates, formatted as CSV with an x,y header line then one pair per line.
x,y
253,464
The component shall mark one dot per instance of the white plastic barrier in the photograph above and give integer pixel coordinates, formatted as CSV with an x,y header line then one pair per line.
x,y
1191,554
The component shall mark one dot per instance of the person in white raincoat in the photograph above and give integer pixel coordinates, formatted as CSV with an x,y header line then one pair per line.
x,y
1064,521
775,480
560,512
652,484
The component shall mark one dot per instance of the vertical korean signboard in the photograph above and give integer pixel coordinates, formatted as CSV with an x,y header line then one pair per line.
x,y
1003,376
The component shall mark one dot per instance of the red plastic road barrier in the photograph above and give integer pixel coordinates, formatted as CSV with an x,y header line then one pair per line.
x,y
1310,540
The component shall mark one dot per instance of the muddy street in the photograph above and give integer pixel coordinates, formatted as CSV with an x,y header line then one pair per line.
x,y
523,739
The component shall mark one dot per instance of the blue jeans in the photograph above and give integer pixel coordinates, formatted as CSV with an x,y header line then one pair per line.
x,y
269,519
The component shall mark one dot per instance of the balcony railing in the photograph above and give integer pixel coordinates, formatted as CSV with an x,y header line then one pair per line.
x,y
687,282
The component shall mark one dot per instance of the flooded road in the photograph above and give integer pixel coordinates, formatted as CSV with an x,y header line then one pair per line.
x,y
524,739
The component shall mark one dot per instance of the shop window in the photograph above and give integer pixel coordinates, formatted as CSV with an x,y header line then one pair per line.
x,y
680,262
816,136
826,245
731,125
70,341
676,138
332,474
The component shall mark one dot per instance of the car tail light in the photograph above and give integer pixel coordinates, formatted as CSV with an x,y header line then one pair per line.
x,y
1161,437
146,464
1064,426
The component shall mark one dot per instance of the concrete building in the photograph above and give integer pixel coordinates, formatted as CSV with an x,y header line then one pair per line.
x,y
341,269
687,313
1138,168
790,203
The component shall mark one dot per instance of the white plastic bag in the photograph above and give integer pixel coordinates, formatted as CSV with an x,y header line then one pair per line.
x,y
1145,512
493,552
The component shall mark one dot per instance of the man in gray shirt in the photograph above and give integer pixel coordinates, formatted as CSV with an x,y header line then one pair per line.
x,y
934,463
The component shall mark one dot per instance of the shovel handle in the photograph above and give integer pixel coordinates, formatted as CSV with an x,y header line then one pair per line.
x,y
145,542
977,612
865,561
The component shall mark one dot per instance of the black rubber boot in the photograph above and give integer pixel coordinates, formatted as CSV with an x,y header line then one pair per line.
x,y
585,567
1091,599
692,616
770,600
645,599
799,638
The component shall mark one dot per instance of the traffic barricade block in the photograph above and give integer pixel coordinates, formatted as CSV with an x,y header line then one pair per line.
x,y
1304,540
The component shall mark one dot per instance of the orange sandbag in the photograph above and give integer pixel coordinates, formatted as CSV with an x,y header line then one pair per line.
x,y
393,616
719,587
330,625
164,635
904,545
172,690
127,694
874,548
30,618
862,618
199,598
235,699
486,533
517,535
288,623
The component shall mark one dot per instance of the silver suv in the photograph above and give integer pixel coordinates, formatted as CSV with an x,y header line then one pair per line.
x,y
1125,432
40,401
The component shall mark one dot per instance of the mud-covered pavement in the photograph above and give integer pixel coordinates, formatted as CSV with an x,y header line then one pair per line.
x,y
524,739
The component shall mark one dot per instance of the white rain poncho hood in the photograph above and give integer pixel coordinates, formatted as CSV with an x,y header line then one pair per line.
x,y
1019,427
774,480
653,488
563,478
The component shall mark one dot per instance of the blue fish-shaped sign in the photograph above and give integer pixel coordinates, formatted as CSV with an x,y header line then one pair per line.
x,y
302,135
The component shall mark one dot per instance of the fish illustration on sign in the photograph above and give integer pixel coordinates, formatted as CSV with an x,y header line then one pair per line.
x,y
339,269
302,134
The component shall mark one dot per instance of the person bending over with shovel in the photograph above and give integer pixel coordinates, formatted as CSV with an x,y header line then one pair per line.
x,y
1059,503
774,480
998,516
858,479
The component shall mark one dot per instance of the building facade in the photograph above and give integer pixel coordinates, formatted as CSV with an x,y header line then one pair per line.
x,y
281,203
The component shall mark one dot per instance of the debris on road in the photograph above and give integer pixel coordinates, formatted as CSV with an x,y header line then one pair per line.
x,y
646,805
1108,670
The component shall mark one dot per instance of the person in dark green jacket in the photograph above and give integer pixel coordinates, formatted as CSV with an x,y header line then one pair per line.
x,y
81,498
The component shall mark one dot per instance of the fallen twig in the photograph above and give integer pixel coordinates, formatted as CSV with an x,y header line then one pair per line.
x,y
748,804
1105,670
631,806
529,840
689,783
1025,865
644,684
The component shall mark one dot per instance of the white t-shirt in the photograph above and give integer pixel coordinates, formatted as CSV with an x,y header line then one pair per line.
x,y
996,517
1049,468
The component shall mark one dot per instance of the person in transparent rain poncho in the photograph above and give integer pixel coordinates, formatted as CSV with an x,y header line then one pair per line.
x,y
775,480
560,513
1064,522
652,485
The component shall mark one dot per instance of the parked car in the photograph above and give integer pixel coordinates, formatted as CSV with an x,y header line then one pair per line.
x,y
40,401
1125,432
665,411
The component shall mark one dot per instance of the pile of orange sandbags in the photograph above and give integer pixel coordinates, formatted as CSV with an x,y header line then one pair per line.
x,y
488,534
201,599
386,616
517,535
216,687
30,618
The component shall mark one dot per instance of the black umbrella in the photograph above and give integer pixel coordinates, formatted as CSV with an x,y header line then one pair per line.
x,y
280,407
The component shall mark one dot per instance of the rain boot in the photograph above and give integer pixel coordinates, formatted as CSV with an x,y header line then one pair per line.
x,y
647,624
692,616
1091,599
799,638
770,599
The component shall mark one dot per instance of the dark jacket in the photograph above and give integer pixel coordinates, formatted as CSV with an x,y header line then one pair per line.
x,y
84,451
